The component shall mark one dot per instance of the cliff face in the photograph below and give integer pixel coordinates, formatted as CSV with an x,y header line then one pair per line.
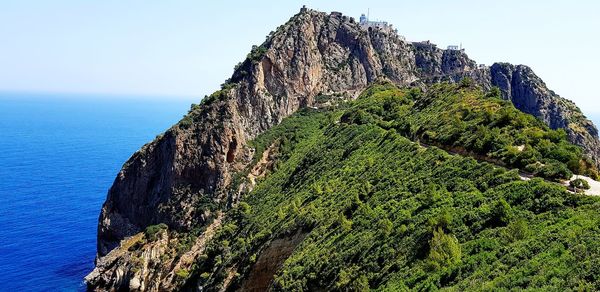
x,y
529,94
187,175
311,54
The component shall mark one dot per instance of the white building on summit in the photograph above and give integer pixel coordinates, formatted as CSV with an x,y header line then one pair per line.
x,y
456,48
365,24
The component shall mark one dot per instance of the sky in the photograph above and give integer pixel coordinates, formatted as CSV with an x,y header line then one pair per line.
x,y
185,49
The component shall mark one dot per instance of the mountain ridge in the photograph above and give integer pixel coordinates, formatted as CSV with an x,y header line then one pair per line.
x,y
184,178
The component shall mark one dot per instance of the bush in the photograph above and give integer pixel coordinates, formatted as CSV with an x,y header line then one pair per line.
x,y
501,213
579,184
444,250
183,273
466,82
152,231
516,230
186,122
555,171
257,53
494,93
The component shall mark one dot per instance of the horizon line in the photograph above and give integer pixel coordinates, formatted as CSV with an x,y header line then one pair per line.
x,y
107,95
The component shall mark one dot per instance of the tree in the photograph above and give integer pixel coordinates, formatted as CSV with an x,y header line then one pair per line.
x,y
517,230
466,82
501,213
151,232
444,250
494,92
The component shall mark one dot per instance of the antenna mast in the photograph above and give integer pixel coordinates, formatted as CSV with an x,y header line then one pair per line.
x,y
368,11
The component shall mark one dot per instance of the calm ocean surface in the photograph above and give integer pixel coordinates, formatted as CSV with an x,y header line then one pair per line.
x,y
58,157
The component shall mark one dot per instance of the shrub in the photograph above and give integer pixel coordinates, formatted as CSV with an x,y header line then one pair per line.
x,y
152,231
555,171
501,213
516,230
466,82
186,122
444,250
580,184
257,53
182,273
494,92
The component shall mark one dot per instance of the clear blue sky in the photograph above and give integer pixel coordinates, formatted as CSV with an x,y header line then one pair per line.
x,y
187,48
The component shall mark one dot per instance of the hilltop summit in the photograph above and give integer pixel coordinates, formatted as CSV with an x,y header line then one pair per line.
x,y
190,179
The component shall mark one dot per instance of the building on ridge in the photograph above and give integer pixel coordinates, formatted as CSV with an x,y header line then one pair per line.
x,y
455,48
365,24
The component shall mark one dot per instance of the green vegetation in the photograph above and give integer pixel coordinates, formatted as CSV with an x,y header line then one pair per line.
x,y
580,184
198,111
465,120
285,136
323,98
382,212
182,273
257,52
217,95
152,231
444,250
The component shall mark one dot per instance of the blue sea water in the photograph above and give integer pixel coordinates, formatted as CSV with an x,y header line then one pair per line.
x,y
58,157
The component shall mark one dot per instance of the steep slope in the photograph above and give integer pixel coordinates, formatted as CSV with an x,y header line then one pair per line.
x,y
313,53
188,175
464,120
354,205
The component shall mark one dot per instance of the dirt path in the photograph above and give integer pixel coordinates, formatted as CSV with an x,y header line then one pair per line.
x,y
525,176
594,185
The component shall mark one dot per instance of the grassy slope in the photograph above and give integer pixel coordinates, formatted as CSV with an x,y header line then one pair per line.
x,y
381,212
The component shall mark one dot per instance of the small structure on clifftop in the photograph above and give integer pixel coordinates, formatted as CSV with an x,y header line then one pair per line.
x,y
455,48
365,24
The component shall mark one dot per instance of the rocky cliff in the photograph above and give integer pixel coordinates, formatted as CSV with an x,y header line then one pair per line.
x,y
187,176
529,94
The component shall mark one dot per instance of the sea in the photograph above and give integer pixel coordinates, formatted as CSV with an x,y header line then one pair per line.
x,y
59,155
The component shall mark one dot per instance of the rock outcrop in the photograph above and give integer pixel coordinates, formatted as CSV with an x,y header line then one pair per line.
x,y
530,95
187,175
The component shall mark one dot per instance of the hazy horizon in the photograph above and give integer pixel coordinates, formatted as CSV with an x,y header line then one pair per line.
x,y
185,49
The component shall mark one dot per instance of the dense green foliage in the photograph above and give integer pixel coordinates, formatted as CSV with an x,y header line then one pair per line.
x,y
291,131
257,52
381,212
466,120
